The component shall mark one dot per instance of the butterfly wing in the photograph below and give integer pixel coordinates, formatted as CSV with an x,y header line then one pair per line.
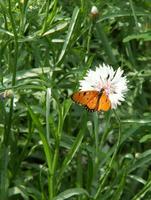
x,y
92,105
104,102
89,99
92,100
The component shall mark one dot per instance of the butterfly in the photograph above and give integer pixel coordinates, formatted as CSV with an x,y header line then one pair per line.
x,y
92,100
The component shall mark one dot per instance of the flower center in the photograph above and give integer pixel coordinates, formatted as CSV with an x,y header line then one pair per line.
x,y
107,88
99,85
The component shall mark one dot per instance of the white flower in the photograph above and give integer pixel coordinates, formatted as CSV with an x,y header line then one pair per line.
x,y
104,77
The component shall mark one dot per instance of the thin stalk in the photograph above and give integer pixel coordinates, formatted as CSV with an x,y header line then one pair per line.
x,y
9,123
96,153
48,100
54,166
56,155
96,132
88,41
8,118
22,6
104,135
96,160
15,44
105,41
46,17
51,178
134,15
79,171
49,15
130,53
143,191
108,169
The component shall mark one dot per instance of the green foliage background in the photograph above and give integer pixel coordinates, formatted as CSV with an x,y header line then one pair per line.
x,y
51,148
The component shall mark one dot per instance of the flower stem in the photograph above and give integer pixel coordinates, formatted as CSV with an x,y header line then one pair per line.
x,y
108,168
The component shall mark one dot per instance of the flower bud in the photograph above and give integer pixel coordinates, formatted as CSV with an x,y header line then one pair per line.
x,y
94,12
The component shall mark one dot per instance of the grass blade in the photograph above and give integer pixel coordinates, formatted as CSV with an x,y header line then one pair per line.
x,y
71,192
69,34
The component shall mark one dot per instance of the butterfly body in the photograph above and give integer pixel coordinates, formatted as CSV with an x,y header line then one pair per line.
x,y
92,100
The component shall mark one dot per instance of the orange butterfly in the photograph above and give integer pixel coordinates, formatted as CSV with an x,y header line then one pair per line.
x,y
92,100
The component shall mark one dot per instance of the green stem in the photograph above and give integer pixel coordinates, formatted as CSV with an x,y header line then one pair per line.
x,y
8,118
96,160
105,41
48,100
143,191
105,134
96,132
49,15
88,41
108,169
134,15
46,17
54,166
52,181
9,123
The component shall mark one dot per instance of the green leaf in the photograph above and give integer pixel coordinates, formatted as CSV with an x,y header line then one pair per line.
x,y
141,36
117,194
56,28
143,191
6,32
42,135
75,147
69,34
71,192
145,138
143,159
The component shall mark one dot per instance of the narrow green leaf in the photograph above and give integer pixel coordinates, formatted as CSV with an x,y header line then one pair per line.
x,y
66,106
138,179
141,36
145,138
141,160
71,192
46,146
56,28
138,121
24,74
6,32
143,191
72,151
117,194
69,34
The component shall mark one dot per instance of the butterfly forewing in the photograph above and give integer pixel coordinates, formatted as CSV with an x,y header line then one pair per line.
x,y
83,97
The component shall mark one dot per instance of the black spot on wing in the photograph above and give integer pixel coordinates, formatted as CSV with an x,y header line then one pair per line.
x,y
88,109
